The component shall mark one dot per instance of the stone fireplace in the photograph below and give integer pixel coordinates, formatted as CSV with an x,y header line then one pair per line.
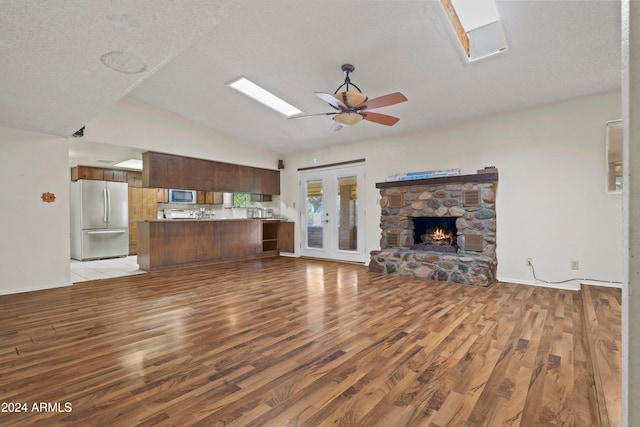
x,y
439,229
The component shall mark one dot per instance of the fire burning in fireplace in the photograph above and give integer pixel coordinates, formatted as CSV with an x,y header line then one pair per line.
x,y
438,237
434,234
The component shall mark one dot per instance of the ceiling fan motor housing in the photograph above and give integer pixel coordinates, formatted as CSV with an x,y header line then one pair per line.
x,y
351,99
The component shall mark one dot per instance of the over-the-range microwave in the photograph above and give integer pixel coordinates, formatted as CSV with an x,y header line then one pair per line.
x,y
182,196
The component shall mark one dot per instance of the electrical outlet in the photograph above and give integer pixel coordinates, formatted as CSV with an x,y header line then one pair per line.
x,y
575,265
529,262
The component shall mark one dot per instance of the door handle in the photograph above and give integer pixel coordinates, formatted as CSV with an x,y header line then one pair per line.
x,y
106,232
326,221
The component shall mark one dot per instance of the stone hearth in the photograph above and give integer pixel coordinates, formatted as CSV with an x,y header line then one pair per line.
x,y
470,199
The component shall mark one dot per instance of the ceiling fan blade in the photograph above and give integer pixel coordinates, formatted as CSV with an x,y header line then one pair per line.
x,y
336,127
333,101
383,101
305,116
382,119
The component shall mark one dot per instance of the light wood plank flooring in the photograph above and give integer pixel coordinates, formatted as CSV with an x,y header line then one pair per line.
x,y
293,342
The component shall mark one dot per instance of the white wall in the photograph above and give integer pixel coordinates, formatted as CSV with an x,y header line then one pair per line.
x,y
34,241
134,124
551,201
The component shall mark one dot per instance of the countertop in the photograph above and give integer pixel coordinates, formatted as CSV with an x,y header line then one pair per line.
x,y
215,219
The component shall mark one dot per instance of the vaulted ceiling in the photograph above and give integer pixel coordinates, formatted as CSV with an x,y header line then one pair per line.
x,y
65,62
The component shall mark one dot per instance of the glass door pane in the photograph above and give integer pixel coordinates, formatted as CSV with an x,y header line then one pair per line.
x,y
332,214
347,213
315,212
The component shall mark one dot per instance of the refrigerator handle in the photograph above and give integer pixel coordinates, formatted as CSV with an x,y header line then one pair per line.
x,y
108,205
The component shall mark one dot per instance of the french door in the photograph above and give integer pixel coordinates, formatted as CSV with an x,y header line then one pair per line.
x,y
332,213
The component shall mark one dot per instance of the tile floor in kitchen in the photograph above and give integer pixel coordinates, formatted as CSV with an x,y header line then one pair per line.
x,y
81,271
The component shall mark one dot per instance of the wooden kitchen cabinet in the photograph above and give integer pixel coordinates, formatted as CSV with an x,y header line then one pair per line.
x,y
169,171
164,245
214,198
286,237
150,203
114,175
240,239
163,171
134,179
261,198
135,203
209,197
266,181
162,195
86,172
143,205
135,215
200,197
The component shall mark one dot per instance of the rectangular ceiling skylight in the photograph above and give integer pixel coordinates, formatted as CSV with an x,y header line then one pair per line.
x,y
477,25
263,96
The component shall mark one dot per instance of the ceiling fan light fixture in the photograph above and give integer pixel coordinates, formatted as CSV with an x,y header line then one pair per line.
x,y
348,119
350,98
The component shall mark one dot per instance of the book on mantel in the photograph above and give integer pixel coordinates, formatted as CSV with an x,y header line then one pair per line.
x,y
488,169
423,175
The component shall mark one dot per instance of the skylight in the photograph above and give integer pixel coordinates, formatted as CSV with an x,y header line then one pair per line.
x,y
263,96
477,26
130,164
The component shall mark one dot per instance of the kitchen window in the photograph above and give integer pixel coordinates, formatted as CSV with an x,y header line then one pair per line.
x,y
242,200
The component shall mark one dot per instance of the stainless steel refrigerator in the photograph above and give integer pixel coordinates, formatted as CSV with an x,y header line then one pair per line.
x,y
99,219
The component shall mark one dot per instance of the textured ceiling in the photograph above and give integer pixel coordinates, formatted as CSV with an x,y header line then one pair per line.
x,y
178,56
64,62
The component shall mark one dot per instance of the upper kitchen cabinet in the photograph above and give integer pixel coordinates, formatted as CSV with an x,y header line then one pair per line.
x,y
115,175
86,172
169,171
134,179
162,170
266,181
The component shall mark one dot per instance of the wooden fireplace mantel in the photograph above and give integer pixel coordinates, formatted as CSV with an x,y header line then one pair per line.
x,y
440,180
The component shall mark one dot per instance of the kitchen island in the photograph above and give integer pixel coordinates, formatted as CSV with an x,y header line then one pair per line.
x,y
168,244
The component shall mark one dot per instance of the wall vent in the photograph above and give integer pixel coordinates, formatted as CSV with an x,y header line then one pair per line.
x,y
393,239
473,242
395,200
471,198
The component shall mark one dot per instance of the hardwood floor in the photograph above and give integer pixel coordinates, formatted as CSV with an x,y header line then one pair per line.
x,y
293,342
602,311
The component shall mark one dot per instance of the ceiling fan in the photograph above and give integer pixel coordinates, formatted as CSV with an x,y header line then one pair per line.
x,y
352,107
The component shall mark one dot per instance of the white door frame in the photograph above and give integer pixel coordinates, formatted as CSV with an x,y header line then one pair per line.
x,y
329,220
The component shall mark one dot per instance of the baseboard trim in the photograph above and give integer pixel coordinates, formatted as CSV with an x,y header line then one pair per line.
x,y
37,288
574,285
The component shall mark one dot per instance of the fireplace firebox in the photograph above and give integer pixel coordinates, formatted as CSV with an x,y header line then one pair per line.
x,y
437,234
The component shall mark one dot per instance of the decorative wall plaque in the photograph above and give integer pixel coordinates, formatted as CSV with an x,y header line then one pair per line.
x,y
48,197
